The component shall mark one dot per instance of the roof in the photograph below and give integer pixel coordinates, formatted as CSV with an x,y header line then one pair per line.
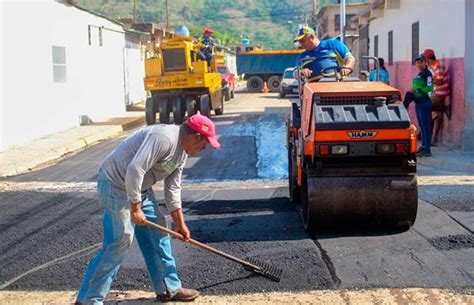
x,y
122,25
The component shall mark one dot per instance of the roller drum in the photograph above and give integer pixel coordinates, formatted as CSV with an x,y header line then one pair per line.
x,y
386,201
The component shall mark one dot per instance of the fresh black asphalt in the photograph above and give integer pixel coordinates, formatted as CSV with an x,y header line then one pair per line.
x,y
48,236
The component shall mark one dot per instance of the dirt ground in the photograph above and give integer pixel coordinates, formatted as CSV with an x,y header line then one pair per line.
x,y
375,296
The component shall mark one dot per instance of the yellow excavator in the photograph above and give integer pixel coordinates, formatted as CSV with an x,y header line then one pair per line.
x,y
179,82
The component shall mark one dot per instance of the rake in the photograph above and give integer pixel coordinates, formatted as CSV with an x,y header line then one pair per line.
x,y
254,265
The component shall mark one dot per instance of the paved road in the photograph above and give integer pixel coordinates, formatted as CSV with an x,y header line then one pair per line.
x,y
236,200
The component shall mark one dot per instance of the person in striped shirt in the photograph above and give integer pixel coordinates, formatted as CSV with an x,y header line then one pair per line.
x,y
439,94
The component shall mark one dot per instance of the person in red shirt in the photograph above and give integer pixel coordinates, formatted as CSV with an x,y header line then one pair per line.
x,y
439,95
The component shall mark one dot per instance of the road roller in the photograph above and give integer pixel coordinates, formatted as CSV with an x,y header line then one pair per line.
x,y
351,154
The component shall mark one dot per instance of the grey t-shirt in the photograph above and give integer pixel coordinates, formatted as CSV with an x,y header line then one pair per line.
x,y
149,155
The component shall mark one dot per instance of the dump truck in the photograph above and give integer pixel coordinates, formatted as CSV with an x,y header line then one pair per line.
x,y
352,155
265,66
180,83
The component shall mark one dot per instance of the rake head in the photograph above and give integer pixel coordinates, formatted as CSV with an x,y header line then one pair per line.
x,y
265,269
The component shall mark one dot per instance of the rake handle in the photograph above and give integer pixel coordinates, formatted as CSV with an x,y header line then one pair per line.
x,y
201,245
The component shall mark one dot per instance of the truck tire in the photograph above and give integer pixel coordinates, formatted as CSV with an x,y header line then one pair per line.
x,y
255,84
227,94
205,105
150,111
274,83
178,109
191,108
164,110
220,111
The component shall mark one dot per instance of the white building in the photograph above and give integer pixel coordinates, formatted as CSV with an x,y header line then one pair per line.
x,y
399,30
61,63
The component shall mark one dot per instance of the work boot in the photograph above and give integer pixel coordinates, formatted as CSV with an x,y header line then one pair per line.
x,y
181,295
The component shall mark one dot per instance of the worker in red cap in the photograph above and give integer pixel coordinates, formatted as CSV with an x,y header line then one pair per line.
x,y
440,93
206,43
125,180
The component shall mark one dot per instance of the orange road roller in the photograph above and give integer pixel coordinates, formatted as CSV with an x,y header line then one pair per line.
x,y
352,155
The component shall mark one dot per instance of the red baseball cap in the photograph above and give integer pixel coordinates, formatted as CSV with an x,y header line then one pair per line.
x,y
207,30
203,125
428,53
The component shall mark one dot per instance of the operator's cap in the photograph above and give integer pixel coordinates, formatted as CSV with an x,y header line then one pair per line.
x,y
306,30
420,57
429,53
207,30
203,125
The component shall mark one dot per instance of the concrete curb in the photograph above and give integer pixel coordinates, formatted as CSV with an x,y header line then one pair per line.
x,y
24,158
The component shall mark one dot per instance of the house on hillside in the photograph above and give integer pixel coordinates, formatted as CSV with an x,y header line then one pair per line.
x,y
399,30
61,65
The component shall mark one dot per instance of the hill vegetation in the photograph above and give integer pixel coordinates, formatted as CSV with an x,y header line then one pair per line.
x,y
272,23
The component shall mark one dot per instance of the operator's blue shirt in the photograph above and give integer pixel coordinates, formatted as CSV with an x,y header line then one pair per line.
x,y
329,53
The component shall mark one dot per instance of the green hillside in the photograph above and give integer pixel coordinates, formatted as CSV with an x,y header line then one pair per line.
x,y
271,23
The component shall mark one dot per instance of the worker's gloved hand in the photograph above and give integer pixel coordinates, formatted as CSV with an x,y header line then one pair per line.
x,y
136,213
183,229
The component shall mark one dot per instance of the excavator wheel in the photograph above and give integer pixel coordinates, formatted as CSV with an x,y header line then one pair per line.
x,y
205,105
191,107
178,110
164,109
150,111
382,201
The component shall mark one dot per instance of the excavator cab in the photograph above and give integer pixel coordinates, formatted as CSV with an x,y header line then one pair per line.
x,y
351,154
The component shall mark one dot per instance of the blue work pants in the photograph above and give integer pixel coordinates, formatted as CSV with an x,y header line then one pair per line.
x,y
423,115
118,236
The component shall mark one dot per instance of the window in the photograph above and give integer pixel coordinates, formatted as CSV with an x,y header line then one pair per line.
x,y
337,21
59,64
174,60
415,41
390,48
95,35
376,45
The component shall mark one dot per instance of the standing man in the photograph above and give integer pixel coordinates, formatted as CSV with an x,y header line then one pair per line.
x,y
439,94
422,85
325,53
154,153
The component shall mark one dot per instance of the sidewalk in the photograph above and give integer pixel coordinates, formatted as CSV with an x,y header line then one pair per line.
x,y
449,159
23,158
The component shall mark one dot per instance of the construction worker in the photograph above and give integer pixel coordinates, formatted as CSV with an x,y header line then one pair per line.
x,y
439,95
326,53
125,178
206,43
422,85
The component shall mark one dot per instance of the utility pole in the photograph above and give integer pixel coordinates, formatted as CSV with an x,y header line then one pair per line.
x,y
134,10
342,18
313,17
166,12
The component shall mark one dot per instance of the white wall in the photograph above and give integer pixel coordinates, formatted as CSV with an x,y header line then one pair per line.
x,y
34,106
441,28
